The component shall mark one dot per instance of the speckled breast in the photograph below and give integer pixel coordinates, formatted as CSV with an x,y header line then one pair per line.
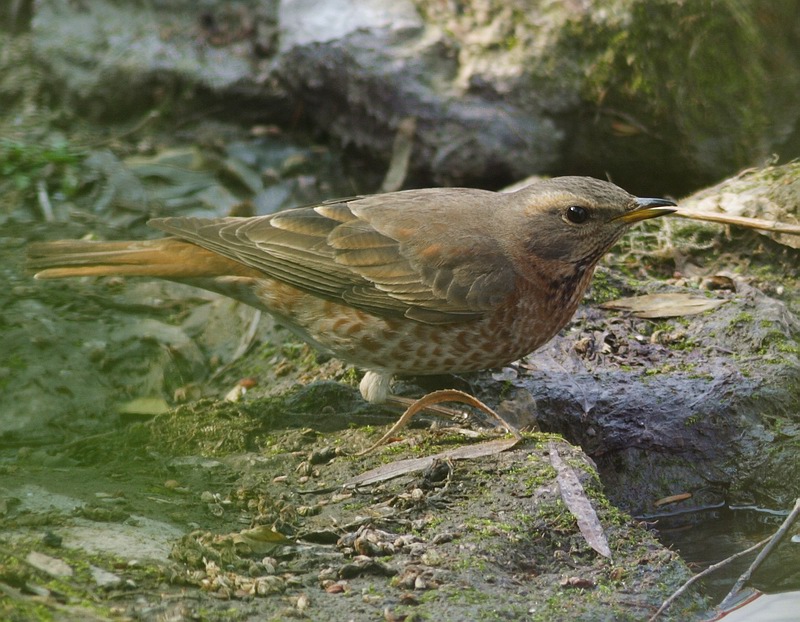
x,y
397,345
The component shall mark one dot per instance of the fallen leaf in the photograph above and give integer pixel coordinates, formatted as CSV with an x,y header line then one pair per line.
x,y
261,540
673,499
578,503
403,467
150,406
664,305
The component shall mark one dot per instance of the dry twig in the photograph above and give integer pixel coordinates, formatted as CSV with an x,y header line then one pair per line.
x,y
682,589
774,541
740,221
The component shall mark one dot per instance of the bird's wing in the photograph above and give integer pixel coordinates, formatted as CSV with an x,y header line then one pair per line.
x,y
371,255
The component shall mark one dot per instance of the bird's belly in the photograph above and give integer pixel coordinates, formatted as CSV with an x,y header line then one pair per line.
x,y
400,345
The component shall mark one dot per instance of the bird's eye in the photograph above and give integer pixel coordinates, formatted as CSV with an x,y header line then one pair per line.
x,y
577,214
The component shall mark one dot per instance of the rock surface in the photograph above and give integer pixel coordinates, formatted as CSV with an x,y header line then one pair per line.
x,y
499,90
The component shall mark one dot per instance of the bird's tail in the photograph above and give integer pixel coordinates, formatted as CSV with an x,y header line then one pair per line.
x,y
167,258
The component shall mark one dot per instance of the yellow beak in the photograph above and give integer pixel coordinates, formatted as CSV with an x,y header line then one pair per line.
x,y
647,208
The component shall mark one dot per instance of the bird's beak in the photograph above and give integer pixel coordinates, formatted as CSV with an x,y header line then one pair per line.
x,y
647,208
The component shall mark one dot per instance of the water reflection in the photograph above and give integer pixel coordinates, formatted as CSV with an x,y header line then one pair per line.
x,y
708,536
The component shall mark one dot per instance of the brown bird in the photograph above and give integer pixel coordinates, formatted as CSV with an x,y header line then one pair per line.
x,y
414,282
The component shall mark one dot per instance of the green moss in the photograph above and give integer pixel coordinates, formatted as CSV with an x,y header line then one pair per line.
x,y
351,377
473,562
15,361
603,289
788,347
212,428
487,527
634,47
777,341
471,596
505,389
782,342
692,420
532,478
78,591
24,164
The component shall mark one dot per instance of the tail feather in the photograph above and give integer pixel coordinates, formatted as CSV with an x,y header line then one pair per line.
x,y
167,258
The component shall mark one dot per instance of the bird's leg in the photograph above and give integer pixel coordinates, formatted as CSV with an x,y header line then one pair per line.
x,y
447,395
376,387
403,403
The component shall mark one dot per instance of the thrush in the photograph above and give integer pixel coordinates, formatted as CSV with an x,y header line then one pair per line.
x,y
415,282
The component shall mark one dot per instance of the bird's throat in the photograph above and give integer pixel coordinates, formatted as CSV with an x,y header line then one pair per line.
x,y
564,284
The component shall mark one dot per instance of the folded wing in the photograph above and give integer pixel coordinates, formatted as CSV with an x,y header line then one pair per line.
x,y
373,255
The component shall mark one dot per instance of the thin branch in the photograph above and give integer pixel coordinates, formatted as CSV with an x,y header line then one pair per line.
x,y
742,221
774,541
682,589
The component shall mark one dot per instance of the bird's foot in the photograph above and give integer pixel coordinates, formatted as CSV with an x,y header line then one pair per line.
x,y
430,400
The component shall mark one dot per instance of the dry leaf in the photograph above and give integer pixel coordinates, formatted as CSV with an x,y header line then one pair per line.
x,y
578,503
673,499
150,406
260,540
664,305
402,467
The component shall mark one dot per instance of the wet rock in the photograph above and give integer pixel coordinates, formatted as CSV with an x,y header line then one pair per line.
x,y
49,565
498,90
696,414
365,565
104,578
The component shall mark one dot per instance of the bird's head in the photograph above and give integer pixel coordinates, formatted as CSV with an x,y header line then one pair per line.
x,y
574,221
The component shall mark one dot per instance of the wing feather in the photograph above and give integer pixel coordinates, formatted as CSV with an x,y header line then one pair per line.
x,y
371,253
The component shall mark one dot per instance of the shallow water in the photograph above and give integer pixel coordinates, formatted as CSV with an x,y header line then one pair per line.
x,y
707,537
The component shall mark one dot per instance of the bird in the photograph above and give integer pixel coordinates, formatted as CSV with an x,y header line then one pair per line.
x,y
414,282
